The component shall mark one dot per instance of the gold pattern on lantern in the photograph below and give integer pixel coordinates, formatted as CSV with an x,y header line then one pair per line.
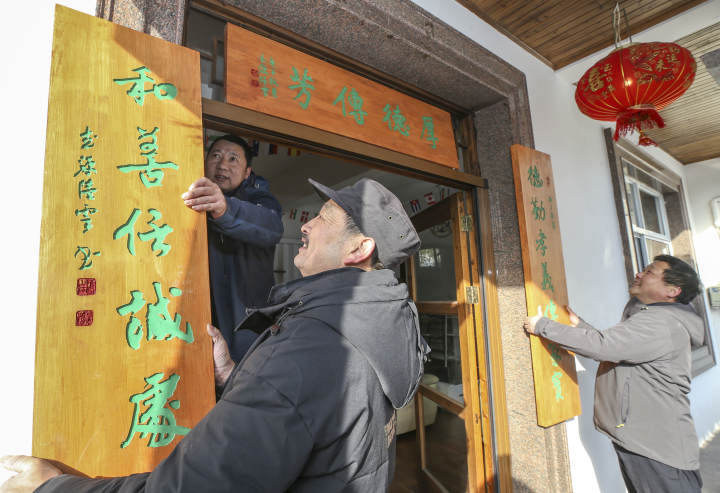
x,y
596,82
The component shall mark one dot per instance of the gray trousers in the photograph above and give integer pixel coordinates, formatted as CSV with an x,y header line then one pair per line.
x,y
644,475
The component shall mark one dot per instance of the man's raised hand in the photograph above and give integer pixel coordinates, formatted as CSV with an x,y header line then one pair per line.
x,y
205,196
529,324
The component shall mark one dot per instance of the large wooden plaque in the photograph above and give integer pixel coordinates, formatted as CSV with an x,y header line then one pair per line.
x,y
123,362
556,391
267,76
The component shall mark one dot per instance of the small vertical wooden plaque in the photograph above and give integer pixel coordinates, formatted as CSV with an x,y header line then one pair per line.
x,y
557,397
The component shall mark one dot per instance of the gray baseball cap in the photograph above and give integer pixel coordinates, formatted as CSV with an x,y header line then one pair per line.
x,y
379,214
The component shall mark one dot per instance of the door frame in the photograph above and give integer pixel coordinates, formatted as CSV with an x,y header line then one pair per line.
x,y
458,209
224,117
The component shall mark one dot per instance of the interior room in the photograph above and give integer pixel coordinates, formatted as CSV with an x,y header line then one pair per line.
x,y
287,169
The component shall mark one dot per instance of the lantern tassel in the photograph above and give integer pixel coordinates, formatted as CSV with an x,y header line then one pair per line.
x,y
637,119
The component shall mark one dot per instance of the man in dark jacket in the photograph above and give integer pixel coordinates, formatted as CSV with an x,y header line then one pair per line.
x,y
642,384
311,407
244,225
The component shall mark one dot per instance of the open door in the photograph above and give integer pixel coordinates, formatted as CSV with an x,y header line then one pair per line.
x,y
455,445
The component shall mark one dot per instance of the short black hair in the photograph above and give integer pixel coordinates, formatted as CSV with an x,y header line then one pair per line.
x,y
235,140
683,276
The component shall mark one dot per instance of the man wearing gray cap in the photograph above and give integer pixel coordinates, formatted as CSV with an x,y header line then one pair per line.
x,y
311,406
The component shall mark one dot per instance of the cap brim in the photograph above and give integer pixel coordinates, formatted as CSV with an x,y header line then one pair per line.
x,y
327,193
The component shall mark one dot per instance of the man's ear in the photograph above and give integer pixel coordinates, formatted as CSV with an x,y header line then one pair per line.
x,y
362,253
672,291
248,170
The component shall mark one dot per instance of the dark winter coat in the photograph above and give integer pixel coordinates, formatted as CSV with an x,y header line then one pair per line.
x,y
241,251
311,408
642,384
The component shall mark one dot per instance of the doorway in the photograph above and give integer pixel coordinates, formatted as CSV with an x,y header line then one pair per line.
x,y
493,96
452,451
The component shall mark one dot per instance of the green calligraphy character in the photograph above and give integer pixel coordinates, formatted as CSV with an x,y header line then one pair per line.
x,y
157,234
555,354
164,91
304,85
388,114
355,102
137,90
341,99
128,229
547,279
134,327
540,245
151,174
85,212
160,324
552,214
88,138
267,77
157,421
538,209
558,386
401,125
86,256
428,131
534,177
551,311
86,166
396,120
86,188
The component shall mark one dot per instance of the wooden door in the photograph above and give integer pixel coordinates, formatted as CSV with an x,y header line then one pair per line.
x,y
455,445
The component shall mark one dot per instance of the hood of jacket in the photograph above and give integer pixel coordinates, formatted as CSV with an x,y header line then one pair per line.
x,y
689,319
685,314
372,311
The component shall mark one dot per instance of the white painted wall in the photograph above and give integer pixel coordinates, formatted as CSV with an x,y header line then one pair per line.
x,y
588,221
26,40
703,180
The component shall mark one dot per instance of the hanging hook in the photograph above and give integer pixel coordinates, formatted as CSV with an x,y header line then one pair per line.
x,y
617,12
616,23
627,26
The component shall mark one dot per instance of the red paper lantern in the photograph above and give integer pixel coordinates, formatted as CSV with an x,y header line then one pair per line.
x,y
632,83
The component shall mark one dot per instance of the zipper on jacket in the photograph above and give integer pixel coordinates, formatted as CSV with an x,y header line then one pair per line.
x,y
274,328
624,404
